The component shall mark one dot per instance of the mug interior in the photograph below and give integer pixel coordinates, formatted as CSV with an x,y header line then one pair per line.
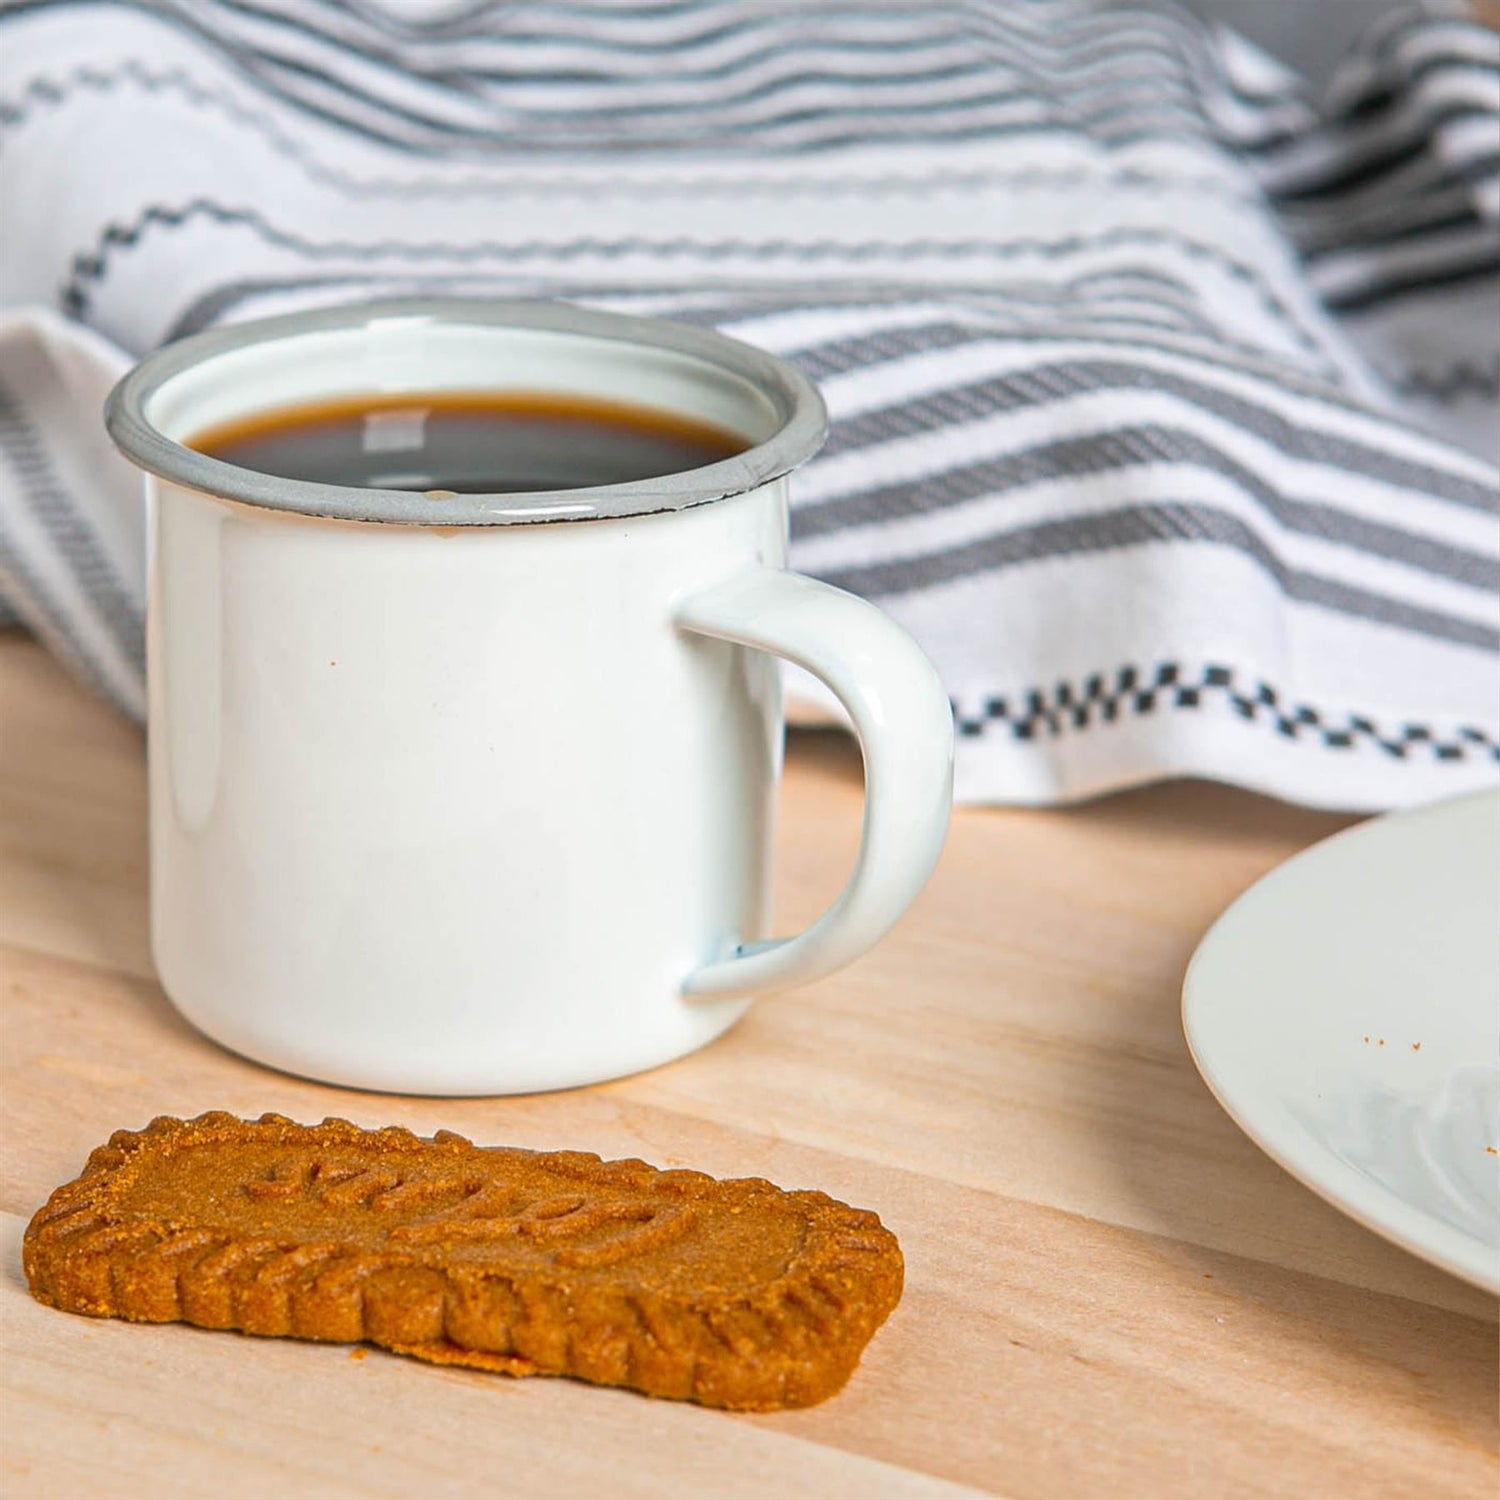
x,y
429,347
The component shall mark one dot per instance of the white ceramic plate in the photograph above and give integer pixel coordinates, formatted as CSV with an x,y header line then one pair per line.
x,y
1346,1012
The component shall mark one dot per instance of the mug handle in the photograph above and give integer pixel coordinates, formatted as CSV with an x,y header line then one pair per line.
x,y
905,728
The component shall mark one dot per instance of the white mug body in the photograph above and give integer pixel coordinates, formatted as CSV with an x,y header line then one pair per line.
x,y
454,811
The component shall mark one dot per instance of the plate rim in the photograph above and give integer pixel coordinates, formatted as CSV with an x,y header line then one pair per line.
x,y
1349,1191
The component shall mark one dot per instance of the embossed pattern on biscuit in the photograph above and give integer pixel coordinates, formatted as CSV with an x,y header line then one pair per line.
x,y
731,1293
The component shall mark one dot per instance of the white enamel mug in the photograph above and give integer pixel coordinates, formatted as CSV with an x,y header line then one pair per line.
x,y
475,795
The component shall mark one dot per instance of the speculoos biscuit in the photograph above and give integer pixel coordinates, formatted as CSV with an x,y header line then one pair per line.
x,y
731,1293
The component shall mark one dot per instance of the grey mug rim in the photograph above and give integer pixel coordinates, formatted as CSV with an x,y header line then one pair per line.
x,y
800,434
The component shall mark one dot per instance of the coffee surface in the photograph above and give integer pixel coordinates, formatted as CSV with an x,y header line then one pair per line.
x,y
468,443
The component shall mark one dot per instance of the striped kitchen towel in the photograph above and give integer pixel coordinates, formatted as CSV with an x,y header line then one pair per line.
x,y
1163,392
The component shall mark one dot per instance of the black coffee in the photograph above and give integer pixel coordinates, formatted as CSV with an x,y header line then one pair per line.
x,y
506,443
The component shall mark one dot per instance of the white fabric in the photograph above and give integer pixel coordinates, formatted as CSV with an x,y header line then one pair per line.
x,y
1163,397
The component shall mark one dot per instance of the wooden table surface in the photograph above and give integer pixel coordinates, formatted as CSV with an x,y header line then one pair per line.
x,y
1110,1292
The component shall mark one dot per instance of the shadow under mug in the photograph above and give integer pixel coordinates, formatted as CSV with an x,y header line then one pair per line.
x,y
476,795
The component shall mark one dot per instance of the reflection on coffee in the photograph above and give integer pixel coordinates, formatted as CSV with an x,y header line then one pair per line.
x,y
468,443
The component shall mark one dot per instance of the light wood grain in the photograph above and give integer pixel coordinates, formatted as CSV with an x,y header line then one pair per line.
x,y
1110,1291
